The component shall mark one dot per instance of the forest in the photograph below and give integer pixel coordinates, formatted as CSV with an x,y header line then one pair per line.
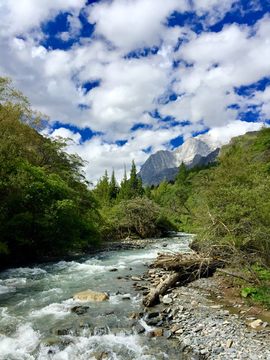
x,y
49,208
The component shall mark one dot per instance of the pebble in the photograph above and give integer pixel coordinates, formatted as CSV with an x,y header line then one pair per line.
x,y
208,330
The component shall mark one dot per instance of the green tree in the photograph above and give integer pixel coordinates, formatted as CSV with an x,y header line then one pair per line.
x,y
102,189
124,191
45,206
233,204
114,189
133,180
147,191
139,217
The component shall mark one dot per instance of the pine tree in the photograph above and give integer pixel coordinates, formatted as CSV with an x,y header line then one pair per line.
x,y
114,189
124,191
102,189
140,186
133,181
147,191
182,174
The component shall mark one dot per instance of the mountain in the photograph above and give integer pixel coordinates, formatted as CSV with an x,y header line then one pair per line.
x,y
164,163
170,173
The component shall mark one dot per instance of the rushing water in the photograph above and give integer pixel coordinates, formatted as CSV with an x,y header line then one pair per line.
x,y
36,302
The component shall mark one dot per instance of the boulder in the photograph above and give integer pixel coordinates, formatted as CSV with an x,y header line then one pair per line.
x,y
89,295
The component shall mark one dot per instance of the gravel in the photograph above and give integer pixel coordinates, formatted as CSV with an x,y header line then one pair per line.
x,y
207,329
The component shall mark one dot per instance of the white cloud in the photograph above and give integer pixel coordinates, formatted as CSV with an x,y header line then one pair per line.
x,y
232,129
130,89
20,17
133,24
38,51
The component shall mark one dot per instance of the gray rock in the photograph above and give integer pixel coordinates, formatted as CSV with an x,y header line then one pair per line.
x,y
167,334
137,327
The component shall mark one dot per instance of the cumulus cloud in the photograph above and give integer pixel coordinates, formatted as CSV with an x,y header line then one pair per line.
x,y
20,17
136,62
133,24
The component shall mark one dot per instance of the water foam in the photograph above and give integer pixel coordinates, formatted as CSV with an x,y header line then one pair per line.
x,y
114,347
7,289
58,310
20,345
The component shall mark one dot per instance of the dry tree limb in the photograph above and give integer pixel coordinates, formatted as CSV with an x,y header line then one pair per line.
x,y
188,267
234,274
153,296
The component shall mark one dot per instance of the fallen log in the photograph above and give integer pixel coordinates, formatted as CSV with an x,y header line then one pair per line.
x,y
153,296
187,262
188,267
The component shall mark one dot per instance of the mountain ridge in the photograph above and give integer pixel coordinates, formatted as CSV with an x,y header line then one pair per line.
x,y
164,162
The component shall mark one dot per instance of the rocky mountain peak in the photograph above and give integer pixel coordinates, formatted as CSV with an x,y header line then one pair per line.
x,y
200,146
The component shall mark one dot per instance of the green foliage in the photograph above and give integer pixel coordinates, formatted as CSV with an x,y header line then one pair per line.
x,y
232,204
139,217
45,205
14,105
147,191
262,273
135,183
114,189
124,192
258,294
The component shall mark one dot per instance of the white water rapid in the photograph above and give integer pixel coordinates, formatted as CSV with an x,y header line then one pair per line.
x,y
36,321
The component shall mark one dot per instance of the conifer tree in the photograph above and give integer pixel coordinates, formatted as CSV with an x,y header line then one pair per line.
x,y
114,189
147,191
124,192
182,174
133,181
102,189
140,186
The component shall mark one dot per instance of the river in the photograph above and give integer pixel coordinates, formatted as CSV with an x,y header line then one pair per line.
x,y
36,321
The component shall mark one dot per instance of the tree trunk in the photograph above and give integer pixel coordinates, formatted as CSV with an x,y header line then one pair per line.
x,y
153,296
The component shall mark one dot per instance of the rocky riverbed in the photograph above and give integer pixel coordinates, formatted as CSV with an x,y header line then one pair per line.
x,y
202,322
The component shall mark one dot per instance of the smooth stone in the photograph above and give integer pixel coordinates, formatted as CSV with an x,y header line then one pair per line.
x,y
167,334
167,300
134,278
89,295
256,323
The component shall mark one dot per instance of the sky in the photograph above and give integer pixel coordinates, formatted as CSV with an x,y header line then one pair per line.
x,y
126,78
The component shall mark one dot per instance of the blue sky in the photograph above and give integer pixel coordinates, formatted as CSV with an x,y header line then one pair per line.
x,y
126,78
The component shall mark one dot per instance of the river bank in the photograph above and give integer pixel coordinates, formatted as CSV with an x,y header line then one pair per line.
x,y
206,320
40,320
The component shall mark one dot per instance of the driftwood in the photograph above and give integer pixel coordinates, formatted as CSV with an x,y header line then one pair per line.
x,y
234,274
188,262
187,267
153,296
